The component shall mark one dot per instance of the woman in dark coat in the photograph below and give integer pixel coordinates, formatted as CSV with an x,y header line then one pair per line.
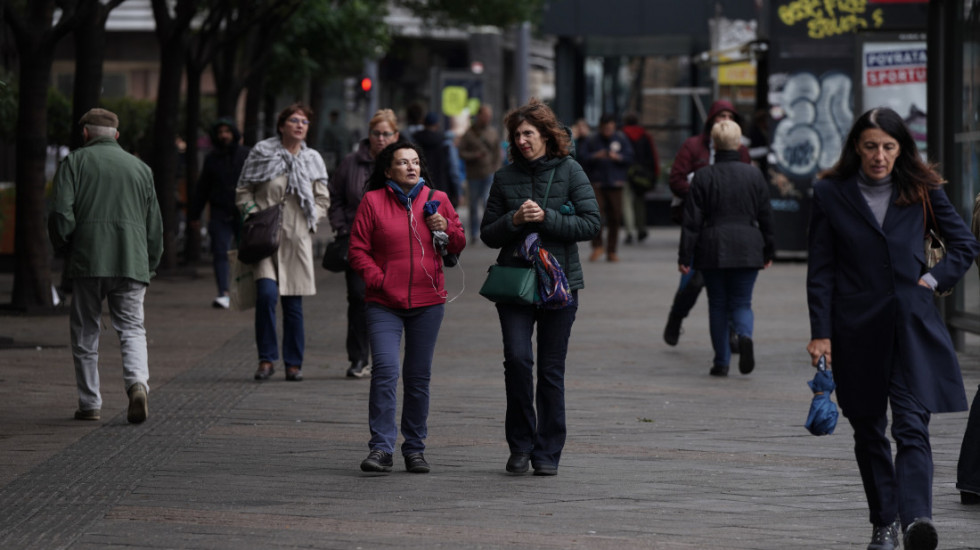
x,y
542,191
727,230
870,293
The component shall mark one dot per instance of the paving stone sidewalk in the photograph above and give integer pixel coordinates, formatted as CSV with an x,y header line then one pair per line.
x,y
659,454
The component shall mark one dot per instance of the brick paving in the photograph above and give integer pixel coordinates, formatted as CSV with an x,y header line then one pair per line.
x,y
659,454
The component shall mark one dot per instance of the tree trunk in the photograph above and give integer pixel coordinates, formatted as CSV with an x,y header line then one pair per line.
x,y
32,269
269,109
253,103
192,241
89,53
163,152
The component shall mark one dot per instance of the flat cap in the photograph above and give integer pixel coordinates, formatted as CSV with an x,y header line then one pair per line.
x,y
100,117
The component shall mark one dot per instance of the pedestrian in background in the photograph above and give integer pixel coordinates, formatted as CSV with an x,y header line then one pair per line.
x,y
216,189
696,152
968,465
542,167
480,149
335,142
870,295
642,175
606,156
105,213
440,156
347,188
283,170
392,249
727,230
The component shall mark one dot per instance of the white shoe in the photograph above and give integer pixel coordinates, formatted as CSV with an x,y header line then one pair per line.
x,y
221,302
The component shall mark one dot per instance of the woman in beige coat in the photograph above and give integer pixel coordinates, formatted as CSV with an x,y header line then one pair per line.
x,y
283,169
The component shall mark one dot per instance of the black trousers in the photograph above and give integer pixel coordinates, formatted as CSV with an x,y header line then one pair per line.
x,y
968,468
902,488
358,346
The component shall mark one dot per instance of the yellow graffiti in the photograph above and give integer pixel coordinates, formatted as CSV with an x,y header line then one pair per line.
x,y
826,18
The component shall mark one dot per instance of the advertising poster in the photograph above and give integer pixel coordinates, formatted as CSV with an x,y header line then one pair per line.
x,y
893,74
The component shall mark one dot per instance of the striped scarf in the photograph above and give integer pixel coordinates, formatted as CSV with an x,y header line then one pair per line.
x,y
552,283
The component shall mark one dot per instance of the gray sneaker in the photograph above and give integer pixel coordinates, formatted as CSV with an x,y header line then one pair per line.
x,y
138,408
359,369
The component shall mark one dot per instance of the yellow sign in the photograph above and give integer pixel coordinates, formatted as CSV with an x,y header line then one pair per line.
x,y
454,99
737,74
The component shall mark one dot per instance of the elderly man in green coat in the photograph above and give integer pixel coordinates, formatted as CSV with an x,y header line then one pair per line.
x,y
106,216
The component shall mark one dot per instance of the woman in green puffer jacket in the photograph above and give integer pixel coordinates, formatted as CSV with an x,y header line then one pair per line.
x,y
543,191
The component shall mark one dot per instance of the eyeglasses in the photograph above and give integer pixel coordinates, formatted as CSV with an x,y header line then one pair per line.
x,y
295,120
378,133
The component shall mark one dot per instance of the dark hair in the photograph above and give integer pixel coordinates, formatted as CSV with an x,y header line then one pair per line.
x,y
631,119
539,115
606,118
910,174
289,111
382,162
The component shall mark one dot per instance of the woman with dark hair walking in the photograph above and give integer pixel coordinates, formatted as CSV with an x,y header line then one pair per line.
x,y
392,249
870,293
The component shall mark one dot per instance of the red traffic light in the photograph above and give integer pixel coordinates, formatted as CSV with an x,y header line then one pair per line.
x,y
366,84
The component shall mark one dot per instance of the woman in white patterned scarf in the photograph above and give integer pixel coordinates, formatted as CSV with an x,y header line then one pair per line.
x,y
283,169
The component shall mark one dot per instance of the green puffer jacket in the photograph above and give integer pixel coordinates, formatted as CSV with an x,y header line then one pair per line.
x,y
571,212
105,211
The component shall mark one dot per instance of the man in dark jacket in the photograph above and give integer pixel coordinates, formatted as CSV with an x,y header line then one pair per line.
x,y
606,156
696,152
642,174
216,187
438,157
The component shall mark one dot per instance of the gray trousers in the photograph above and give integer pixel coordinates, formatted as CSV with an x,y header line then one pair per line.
x,y
125,298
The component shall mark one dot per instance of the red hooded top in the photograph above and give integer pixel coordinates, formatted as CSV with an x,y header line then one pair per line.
x,y
695,152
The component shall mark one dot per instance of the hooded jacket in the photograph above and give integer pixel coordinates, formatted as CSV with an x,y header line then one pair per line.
x,y
571,211
696,151
219,176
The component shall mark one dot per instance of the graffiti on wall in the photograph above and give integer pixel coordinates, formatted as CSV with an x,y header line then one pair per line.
x,y
827,18
816,115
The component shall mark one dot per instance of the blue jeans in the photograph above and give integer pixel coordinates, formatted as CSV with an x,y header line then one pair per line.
x,y
221,233
385,328
542,435
901,488
479,191
729,299
293,335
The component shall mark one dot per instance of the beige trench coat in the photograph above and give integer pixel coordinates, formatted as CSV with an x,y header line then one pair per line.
x,y
292,266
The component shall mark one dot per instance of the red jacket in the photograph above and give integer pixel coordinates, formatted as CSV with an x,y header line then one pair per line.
x,y
392,249
695,152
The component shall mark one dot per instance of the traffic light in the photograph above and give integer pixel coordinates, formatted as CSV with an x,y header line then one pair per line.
x,y
366,84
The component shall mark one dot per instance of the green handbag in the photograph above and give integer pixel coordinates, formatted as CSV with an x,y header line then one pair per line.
x,y
511,285
514,285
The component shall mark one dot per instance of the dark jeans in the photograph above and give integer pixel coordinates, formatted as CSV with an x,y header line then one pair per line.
x,y
904,488
357,329
293,335
610,201
541,435
221,233
421,328
968,468
729,300
687,294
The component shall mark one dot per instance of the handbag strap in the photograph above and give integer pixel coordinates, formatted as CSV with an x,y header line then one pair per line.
x,y
925,221
547,190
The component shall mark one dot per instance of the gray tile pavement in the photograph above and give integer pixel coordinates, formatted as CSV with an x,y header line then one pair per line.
x,y
659,454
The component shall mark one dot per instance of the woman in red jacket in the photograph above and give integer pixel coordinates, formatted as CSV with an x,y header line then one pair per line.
x,y
392,248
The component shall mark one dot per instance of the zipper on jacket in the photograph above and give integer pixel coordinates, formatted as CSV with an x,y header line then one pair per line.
x,y
411,256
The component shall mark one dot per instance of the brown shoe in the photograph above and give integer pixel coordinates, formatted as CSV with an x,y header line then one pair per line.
x,y
91,414
613,257
596,254
265,371
294,374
